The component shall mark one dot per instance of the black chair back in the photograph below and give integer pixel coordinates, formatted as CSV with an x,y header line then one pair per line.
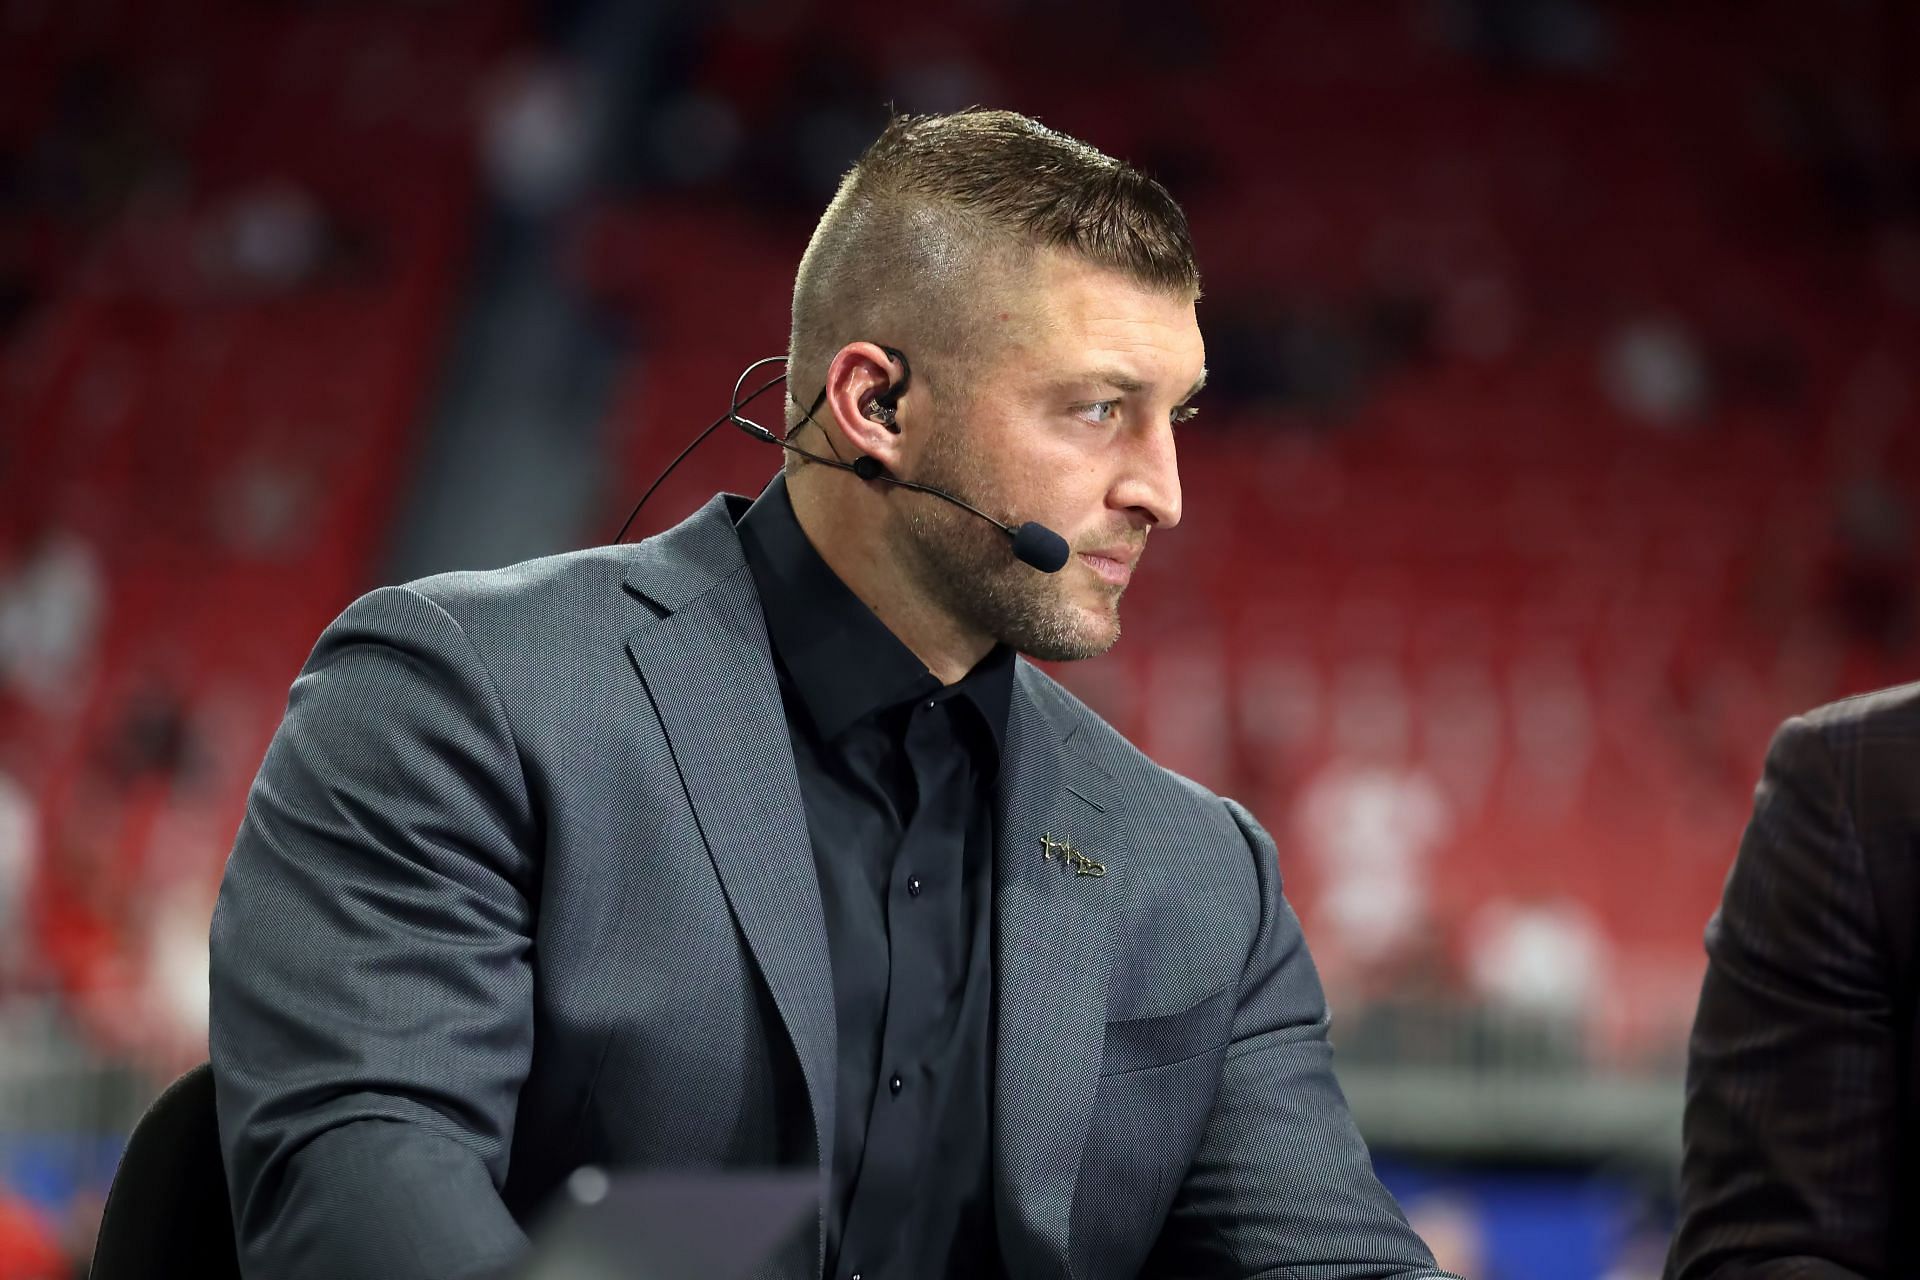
x,y
167,1213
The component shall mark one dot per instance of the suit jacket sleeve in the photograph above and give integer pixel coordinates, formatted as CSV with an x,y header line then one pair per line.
x,y
1283,1185
371,987
1790,1125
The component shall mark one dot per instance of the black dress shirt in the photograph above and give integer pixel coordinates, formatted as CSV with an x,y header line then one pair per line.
x,y
896,773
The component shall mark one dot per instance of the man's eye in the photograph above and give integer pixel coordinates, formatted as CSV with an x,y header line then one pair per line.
x,y
1099,411
1186,413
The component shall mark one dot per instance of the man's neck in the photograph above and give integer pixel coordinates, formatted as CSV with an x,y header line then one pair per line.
x,y
860,557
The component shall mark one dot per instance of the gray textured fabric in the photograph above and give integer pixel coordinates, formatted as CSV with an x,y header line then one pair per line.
x,y
524,883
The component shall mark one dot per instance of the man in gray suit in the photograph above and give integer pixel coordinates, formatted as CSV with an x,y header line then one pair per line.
x,y
754,844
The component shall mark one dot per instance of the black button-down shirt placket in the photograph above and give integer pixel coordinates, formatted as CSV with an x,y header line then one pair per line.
x,y
896,775
935,1014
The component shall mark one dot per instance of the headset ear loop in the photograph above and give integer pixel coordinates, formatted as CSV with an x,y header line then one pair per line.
x,y
732,415
736,404
865,467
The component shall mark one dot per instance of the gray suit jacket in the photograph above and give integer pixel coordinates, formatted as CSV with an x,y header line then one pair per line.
x,y
525,883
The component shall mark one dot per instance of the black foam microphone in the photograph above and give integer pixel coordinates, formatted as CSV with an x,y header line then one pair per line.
x,y
1039,546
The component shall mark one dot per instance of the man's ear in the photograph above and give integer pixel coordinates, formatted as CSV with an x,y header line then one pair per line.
x,y
858,376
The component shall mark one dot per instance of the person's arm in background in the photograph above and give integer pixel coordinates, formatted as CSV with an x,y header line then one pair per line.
x,y
1282,1185
371,984
1789,1165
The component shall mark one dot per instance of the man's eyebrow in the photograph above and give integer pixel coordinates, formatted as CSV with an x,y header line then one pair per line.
x,y
1126,383
1121,381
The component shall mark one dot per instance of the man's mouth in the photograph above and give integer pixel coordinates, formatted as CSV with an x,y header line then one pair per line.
x,y
1114,565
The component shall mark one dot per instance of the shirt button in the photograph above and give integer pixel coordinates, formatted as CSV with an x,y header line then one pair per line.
x,y
896,1084
913,886
930,704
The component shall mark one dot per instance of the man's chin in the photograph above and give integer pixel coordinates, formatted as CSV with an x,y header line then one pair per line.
x,y
1096,629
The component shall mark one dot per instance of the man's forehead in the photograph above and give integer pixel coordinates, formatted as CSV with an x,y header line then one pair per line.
x,y
1130,336
1049,315
1062,281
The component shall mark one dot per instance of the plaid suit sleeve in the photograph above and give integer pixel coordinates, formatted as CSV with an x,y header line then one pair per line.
x,y
1282,1186
1789,1157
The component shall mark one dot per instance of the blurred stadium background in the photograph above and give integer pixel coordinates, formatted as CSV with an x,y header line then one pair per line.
x,y
1561,441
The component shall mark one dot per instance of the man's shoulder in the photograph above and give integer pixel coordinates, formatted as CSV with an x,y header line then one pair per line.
x,y
1867,759
543,605
1153,791
1891,715
573,610
582,597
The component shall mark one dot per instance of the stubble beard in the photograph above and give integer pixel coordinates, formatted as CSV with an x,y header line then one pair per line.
x,y
967,568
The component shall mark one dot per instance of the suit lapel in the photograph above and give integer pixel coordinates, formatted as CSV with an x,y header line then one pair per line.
x,y
710,674
1054,950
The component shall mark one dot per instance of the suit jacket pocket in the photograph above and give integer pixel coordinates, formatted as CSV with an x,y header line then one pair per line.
x,y
1136,1044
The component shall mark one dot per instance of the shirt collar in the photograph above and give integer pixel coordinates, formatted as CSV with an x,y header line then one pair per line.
x,y
842,660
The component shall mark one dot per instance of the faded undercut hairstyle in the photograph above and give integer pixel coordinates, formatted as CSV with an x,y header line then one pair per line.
x,y
939,209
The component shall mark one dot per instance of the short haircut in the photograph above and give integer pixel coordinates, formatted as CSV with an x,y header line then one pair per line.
x,y
938,203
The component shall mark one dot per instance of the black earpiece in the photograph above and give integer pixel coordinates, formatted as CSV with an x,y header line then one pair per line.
x,y
885,405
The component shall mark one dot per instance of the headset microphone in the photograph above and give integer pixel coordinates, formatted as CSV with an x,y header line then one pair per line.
x,y
1039,546
1034,545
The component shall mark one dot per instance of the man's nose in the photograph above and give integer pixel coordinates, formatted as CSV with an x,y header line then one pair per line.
x,y
1151,483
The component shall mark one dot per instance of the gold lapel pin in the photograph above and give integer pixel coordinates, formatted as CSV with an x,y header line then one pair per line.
x,y
1069,856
